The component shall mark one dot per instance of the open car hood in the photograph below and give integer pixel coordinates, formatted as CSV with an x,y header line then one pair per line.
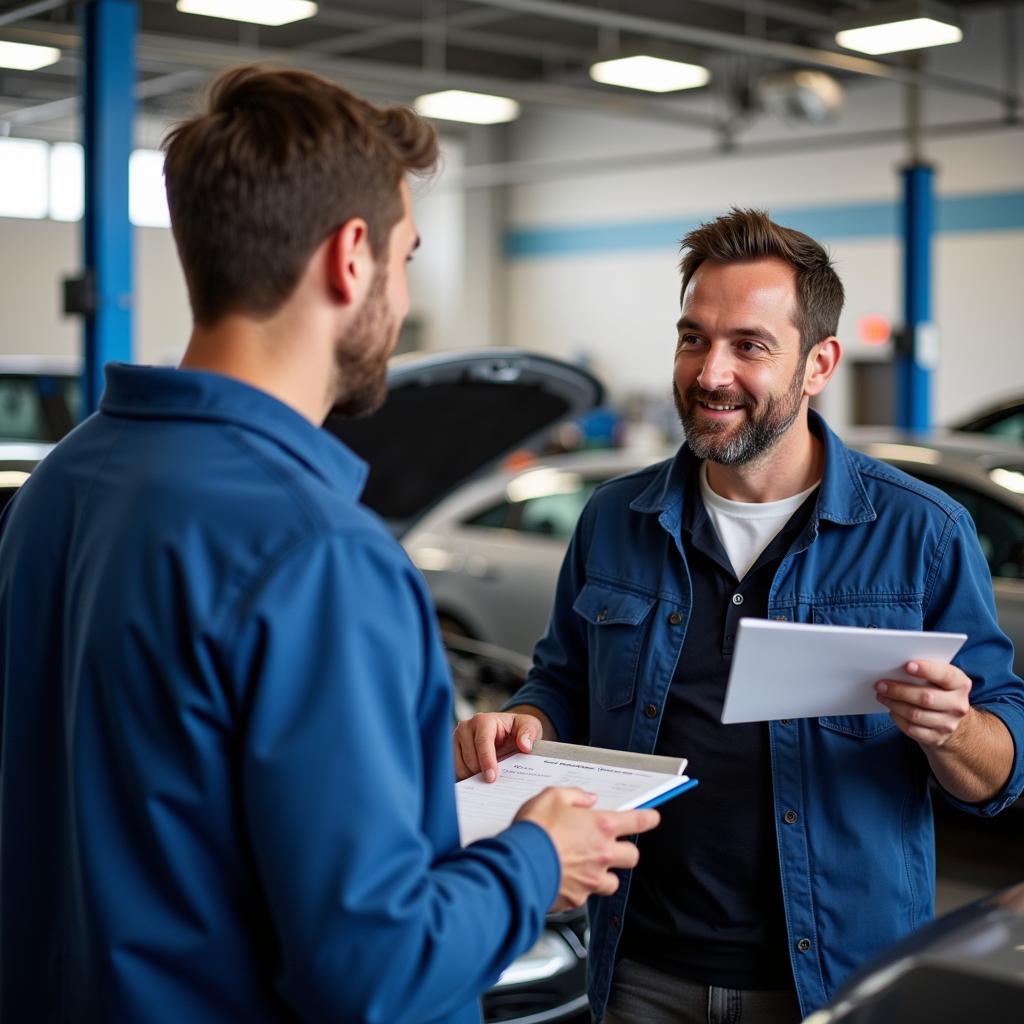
x,y
449,416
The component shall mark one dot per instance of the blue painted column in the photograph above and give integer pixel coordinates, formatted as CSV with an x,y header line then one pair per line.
x,y
917,356
108,119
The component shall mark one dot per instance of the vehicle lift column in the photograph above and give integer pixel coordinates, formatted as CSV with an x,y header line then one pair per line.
x,y
108,123
917,347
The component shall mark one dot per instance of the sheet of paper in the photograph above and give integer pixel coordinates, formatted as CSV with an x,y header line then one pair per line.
x,y
487,808
798,670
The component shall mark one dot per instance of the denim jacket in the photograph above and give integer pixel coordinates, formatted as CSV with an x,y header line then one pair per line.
x,y
851,798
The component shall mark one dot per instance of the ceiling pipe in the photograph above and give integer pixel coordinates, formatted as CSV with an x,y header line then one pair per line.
x,y
395,78
525,172
29,11
751,46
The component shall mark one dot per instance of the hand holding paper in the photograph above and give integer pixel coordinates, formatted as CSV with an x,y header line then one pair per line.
x,y
929,713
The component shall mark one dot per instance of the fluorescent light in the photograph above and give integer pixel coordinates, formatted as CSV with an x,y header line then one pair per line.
x,y
472,107
27,57
256,12
652,74
895,36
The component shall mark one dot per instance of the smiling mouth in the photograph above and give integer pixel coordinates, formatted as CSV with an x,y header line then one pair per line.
x,y
716,407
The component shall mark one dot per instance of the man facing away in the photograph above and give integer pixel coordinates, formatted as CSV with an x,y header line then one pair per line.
x,y
809,845
226,776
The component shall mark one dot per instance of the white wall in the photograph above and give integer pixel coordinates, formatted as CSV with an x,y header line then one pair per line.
x,y
37,254
619,304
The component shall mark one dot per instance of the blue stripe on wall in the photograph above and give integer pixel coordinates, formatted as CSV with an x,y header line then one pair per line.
x,y
998,211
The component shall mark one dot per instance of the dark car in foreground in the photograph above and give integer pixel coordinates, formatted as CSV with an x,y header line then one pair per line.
x,y
965,968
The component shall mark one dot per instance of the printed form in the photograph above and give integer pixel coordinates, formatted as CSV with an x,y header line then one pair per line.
x,y
487,808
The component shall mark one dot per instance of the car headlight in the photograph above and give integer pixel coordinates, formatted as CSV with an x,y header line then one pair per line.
x,y
550,956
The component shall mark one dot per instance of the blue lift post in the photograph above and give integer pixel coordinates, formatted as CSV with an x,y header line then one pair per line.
x,y
916,358
108,123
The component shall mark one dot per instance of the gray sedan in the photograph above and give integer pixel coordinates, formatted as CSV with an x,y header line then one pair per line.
x,y
491,551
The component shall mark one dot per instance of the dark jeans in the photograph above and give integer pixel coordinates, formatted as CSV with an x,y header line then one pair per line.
x,y
643,995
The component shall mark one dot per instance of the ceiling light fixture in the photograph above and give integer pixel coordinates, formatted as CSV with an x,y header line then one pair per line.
x,y
895,27
256,12
27,57
470,107
652,74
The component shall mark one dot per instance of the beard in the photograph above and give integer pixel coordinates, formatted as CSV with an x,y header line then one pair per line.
x,y
359,381
760,431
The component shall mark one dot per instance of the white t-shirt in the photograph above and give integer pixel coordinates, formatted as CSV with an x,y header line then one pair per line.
x,y
746,528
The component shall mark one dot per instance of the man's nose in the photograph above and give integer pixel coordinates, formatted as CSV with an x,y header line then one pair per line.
x,y
716,371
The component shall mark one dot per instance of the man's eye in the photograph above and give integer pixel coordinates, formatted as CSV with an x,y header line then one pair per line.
x,y
688,340
751,347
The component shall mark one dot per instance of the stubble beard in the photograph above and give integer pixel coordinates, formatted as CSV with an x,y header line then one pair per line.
x,y
359,382
756,435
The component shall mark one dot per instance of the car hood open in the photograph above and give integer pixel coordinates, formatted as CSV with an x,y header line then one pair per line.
x,y
451,415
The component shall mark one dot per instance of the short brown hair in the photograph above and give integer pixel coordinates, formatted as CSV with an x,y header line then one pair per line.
x,y
277,161
741,236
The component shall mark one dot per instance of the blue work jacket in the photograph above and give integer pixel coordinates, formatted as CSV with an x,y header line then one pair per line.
x,y
227,785
851,798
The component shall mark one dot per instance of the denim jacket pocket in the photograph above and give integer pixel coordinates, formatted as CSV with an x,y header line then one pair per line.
x,y
616,621
897,613
861,727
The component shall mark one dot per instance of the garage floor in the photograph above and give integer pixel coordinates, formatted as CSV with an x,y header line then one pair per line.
x,y
976,856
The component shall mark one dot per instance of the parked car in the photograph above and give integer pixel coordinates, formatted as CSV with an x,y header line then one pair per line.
x,y
491,551
1004,419
40,397
962,968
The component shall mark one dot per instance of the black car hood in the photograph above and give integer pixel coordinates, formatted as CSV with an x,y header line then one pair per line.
x,y
451,415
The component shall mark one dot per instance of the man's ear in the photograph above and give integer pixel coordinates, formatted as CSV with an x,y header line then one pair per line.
x,y
821,364
349,261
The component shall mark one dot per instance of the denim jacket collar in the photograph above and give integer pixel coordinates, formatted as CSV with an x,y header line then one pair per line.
x,y
841,498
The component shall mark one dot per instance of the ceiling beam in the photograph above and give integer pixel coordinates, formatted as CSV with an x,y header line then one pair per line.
x,y
792,53
398,79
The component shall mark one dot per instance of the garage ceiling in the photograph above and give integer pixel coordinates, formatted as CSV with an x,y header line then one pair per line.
x,y
536,51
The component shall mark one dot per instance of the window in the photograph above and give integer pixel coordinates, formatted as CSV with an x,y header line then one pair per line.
x,y
555,515
39,180
547,515
495,517
1000,527
23,178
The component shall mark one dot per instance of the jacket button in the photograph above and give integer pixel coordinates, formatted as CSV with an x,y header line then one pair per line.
x,y
616,921
675,618
789,817
737,599
651,711
602,615
803,945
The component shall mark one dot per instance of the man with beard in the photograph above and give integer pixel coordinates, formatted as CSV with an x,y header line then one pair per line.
x,y
809,845
227,788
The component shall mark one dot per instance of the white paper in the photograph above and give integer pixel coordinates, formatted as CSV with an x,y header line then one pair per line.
x,y
798,670
487,808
